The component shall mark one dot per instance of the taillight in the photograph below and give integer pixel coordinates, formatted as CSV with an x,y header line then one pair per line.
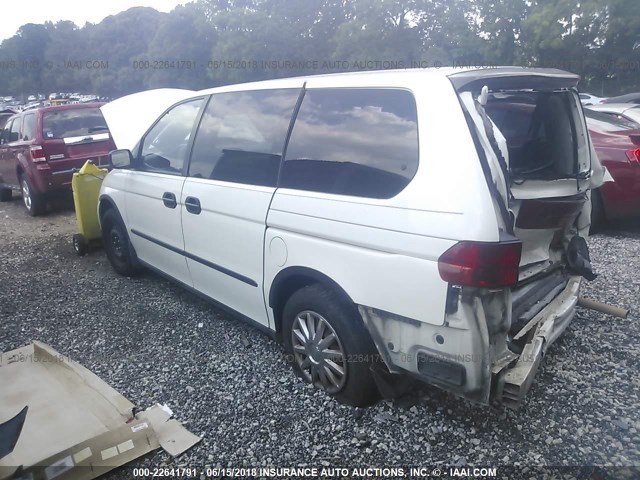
x,y
37,154
634,155
481,264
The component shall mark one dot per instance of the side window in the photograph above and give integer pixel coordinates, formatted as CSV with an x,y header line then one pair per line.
x,y
6,133
29,127
14,134
361,142
164,148
241,136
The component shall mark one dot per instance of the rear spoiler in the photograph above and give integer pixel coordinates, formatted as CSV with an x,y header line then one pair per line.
x,y
513,78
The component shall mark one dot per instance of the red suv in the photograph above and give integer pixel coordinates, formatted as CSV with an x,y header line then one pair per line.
x,y
41,148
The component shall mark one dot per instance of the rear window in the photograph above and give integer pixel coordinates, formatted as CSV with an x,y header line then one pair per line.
x,y
4,118
29,127
73,123
361,142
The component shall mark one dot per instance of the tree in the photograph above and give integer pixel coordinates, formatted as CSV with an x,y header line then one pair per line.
x,y
598,39
183,62
500,22
386,31
25,58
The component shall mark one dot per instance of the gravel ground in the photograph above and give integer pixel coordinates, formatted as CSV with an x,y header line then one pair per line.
x,y
227,382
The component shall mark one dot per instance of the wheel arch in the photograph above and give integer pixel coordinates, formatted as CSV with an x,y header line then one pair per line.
x,y
20,170
106,203
292,279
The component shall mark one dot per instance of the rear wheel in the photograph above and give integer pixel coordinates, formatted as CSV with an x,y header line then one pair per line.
x,y
33,201
5,194
116,244
328,345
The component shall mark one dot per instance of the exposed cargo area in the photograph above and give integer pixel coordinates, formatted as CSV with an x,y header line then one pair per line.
x,y
534,148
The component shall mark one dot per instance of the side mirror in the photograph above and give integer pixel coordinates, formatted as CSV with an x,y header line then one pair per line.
x,y
121,158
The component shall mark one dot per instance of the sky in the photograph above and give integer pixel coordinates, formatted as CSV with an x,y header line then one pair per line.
x,y
78,11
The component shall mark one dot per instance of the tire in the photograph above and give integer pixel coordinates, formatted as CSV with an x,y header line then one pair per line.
x,y
117,245
320,309
598,217
32,201
6,194
80,244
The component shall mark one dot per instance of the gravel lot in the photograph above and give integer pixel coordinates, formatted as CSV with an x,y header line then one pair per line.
x,y
227,382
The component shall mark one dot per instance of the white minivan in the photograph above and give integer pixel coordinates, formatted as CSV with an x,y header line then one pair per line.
x,y
422,223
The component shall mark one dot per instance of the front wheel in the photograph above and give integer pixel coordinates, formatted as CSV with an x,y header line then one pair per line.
x,y
328,345
33,201
116,244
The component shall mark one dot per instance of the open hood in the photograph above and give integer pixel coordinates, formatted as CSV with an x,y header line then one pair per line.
x,y
129,118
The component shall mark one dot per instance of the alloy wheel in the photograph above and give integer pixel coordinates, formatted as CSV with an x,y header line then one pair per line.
x,y
26,194
318,351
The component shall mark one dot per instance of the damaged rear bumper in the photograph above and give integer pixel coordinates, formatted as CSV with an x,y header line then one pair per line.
x,y
467,355
514,382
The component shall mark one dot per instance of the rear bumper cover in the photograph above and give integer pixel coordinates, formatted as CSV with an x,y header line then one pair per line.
x,y
543,330
464,363
48,180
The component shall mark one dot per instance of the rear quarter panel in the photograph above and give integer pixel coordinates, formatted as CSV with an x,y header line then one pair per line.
x,y
384,253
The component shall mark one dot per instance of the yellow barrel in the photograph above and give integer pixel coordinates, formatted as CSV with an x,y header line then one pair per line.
x,y
86,188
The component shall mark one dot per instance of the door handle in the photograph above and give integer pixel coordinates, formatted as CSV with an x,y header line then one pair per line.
x,y
193,205
169,200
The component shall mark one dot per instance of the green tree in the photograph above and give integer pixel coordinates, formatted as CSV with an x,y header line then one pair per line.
x,y
382,31
598,39
25,54
185,60
500,22
65,45
120,40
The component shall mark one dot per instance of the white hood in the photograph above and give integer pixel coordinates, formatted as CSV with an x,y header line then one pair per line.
x,y
129,118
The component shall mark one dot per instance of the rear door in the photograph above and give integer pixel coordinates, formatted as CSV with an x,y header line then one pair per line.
x,y
232,177
153,200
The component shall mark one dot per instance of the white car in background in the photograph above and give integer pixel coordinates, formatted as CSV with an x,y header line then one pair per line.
x,y
588,99
629,112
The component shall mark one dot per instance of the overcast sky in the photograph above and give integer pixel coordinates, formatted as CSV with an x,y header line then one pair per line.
x,y
78,11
